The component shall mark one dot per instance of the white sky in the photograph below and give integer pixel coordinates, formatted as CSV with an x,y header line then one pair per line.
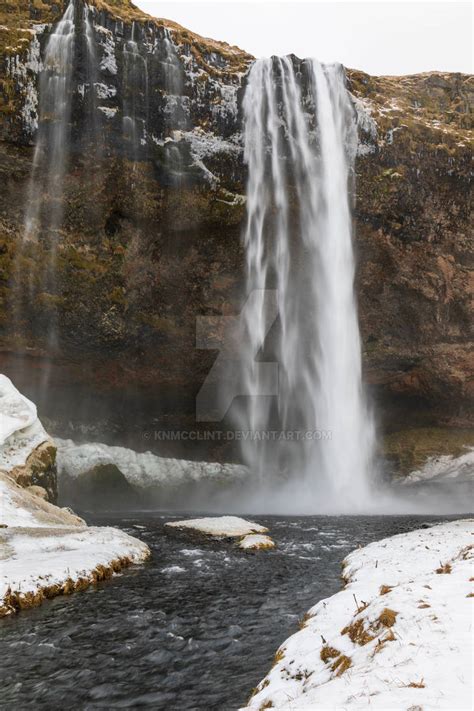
x,y
380,37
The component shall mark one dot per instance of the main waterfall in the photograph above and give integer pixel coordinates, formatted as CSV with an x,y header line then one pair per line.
x,y
318,435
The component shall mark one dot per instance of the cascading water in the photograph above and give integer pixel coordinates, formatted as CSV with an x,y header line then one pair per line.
x,y
174,113
35,262
46,186
300,139
135,93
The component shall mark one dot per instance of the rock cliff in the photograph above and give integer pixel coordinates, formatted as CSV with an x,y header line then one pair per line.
x,y
153,206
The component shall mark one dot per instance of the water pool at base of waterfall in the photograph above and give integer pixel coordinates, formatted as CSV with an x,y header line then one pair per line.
x,y
195,628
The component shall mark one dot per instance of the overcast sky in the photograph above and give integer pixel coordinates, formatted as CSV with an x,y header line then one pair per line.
x,y
380,37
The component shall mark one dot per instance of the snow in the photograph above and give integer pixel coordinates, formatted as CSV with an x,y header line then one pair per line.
x,y
26,73
256,541
41,545
108,111
141,469
220,526
44,557
20,429
444,467
103,91
108,63
423,661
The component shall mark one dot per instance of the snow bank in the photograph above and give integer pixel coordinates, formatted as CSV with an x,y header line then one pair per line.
x,y
45,550
141,470
398,637
21,432
220,526
49,551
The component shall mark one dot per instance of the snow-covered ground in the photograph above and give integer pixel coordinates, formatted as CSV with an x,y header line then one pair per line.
x,y
141,470
398,637
47,551
220,526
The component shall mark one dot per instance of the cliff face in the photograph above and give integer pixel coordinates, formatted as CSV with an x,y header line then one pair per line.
x,y
151,232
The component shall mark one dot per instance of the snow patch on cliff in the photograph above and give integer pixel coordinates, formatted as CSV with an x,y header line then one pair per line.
x,y
108,63
25,73
367,127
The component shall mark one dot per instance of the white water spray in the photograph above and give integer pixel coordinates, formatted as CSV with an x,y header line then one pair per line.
x,y
300,139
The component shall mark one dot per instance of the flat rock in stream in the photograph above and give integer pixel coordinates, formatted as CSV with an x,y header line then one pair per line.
x,y
219,526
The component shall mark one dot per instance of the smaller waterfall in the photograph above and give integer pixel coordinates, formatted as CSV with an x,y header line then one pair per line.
x,y
300,140
34,284
174,113
44,212
135,93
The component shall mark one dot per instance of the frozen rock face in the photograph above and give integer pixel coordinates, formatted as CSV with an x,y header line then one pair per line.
x,y
95,475
27,453
153,214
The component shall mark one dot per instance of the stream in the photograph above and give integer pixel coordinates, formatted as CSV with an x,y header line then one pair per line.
x,y
195,628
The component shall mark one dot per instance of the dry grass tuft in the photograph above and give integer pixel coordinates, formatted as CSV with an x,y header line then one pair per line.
x,y
279,656
357,633
266,705
444,569
304,620
341,664
423,606
328,652
387,617
416,685
384,589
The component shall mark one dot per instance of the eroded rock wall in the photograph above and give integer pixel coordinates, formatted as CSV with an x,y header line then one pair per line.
x,y
151,236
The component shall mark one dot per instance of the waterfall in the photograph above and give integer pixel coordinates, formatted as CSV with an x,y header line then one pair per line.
x,y
135,94
34,272
174,112
44,212
300,139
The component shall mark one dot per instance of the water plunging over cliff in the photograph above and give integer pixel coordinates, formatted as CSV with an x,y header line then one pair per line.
x,y
135,96
44,210
300,139
46,186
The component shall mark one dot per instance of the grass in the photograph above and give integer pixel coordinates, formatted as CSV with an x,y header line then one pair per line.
x,y
304,620
416,685
387,617
328,653
357,633
384,589
444,569
341,664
